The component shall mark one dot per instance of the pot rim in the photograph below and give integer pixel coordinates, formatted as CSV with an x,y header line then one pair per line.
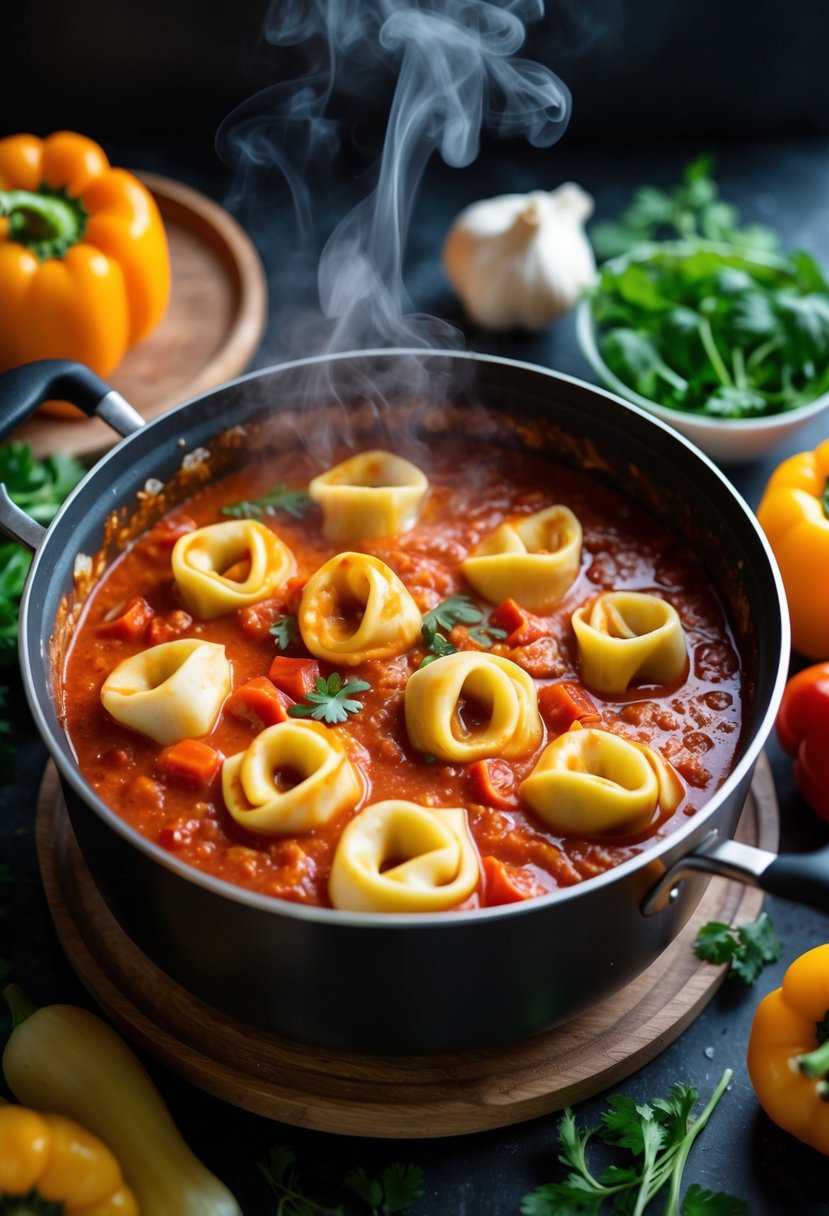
x,y
71,774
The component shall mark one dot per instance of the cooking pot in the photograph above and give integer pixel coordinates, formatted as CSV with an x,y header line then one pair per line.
x,y
384,982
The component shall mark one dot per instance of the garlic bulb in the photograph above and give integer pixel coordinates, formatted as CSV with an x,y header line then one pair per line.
x,y
521,259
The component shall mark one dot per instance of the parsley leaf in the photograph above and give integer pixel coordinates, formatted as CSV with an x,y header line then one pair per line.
x,y
332,701
747,948
280,498
38,486
285,1184
397,1188
456,610
285,631
657,1137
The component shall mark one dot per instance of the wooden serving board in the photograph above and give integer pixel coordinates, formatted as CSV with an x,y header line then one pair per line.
x,y
386,1096
213,325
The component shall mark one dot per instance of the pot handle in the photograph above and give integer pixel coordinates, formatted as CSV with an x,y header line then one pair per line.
x,y
25,388
802,878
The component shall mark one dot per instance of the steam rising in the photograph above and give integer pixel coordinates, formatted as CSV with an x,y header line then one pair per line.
x,y
455,72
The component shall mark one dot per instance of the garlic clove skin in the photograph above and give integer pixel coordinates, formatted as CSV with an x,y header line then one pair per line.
x,y
521,260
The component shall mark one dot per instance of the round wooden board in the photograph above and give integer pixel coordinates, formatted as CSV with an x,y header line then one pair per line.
x,y
386,1096
213,325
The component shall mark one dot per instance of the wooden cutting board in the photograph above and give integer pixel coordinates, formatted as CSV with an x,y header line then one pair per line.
x,y
214,322
386,1096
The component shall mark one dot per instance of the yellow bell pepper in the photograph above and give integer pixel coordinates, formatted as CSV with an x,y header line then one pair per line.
x,y
794,514
60,1162
788,1050
84,261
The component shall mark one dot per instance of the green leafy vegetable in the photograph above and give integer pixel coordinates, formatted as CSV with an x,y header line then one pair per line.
x,y
657,1137
332,701
747,949
397,1188
718,324
285,631
456,610
280,498
693,208
285,1184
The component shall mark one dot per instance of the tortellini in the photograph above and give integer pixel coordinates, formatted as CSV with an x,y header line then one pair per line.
x,y
398,856
589,782
371,494
355,608
470,705
293,777
534,559
228,565
628,635
170,692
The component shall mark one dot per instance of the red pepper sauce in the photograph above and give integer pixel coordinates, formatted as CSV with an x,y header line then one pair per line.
x,y
473,488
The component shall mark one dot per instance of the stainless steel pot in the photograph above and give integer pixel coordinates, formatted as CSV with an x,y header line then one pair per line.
x,y
432,982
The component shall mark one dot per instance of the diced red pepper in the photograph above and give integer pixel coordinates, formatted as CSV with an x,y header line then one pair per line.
x,y
171,625
506,884
191,761
132,622
169,529
562,704
294,676
259,702
493,783
521,626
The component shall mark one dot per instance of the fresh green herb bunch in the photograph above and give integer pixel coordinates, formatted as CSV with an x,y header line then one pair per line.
x,y
708,330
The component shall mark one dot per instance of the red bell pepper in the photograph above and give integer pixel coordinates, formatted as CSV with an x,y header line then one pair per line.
x,y
803,731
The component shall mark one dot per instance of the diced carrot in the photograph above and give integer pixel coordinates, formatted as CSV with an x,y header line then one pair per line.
x,y
259,702
168,530
505,884
191,761
562,704
132,622
294,676
165,628
508,616
493,782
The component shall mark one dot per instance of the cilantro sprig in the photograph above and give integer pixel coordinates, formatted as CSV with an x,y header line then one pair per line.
x,y
456,610
280,498
332,701
656,1138
396,1190
747,949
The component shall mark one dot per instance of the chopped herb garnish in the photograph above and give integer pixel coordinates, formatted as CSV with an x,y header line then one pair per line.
x,y
486,635
285,631
456,610
657,1137
332,701
746,949
280,498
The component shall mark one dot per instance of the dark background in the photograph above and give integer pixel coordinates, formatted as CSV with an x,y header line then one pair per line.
x,y
654,83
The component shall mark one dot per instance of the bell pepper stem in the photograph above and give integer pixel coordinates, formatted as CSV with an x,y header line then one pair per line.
x,y
19,1004
46,222
815,1063
824,498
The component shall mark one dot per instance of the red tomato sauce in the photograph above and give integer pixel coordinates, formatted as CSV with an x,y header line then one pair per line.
x,y
695,725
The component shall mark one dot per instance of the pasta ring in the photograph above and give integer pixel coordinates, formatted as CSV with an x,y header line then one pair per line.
x,y
355,608
328,781
371,494
589,782
625,635
534,559
201,560
434,707
398,856
170,692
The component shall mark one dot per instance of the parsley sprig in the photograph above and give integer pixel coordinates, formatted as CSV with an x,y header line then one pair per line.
x,y
658,1136
280,498
285,632
396,1190
332,701
456,610
747,949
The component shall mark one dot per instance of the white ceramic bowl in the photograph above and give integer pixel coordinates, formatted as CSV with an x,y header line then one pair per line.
x,y
730,441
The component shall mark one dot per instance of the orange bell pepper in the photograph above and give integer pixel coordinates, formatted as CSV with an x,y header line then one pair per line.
x,y
794,514
788,1050
84,261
